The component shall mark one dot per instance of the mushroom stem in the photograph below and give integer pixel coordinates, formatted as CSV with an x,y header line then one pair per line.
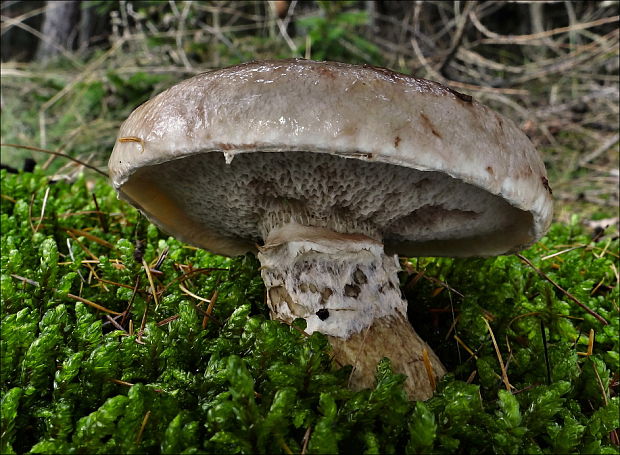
x,y
346,287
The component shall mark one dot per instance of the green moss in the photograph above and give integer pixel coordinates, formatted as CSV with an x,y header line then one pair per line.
x,y
237,382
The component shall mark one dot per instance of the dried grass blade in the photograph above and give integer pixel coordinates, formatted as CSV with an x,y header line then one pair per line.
x,y
114,323
499,355
91,237
47,193
464,346
147,269
190,293
144,422
86,250
207,315
118,381
25,280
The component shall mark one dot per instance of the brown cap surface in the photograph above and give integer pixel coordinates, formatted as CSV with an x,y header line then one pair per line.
x,y
220,159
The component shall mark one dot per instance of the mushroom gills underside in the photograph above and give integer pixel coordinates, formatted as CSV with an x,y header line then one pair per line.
x,y
411,211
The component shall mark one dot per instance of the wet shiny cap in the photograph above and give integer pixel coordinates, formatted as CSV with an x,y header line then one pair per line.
x,y
223,158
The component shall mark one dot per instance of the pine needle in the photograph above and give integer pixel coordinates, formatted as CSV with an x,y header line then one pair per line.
x,y
563,291
93,304
144,422
499,356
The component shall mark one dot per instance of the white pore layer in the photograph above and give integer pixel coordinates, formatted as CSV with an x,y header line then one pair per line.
x,y
355,281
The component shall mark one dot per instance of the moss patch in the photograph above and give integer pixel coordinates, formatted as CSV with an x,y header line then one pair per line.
x,y
173,374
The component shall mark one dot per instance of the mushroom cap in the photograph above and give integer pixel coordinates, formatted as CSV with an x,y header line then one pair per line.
x,y
220,159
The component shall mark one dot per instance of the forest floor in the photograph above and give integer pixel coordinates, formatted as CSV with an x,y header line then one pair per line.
x,y
102,313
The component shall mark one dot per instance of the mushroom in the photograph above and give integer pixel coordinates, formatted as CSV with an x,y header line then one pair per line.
x,y
327,171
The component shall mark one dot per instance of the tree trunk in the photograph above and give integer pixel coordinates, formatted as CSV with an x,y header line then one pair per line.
x,y
60,28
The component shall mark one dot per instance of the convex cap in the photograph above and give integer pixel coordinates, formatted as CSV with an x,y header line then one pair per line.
x,y
221,159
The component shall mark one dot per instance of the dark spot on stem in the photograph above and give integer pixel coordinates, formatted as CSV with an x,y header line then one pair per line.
x,y
359,276
323,314
351,290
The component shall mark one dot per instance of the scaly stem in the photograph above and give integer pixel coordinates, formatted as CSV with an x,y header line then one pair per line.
x,y
346,287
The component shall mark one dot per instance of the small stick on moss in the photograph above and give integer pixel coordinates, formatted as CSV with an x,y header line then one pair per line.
x,y
455,320
613,266
499,356
588,247
443,284
143,323
114,323
509,352
86,250
537,313
102,220
531,386
306,440
284,446
47,193
210,316
604,249
91,237
186,275
190,293
25,280
162,257
120,285
51,152
118,381
207,315
8,198
147,269
93,304
81,212
144,422
600,382
563,251
596,288
437,291
71,255
590,350
600,318
30,213
129,384
467,348
293,326
129,305
168,320
545,352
